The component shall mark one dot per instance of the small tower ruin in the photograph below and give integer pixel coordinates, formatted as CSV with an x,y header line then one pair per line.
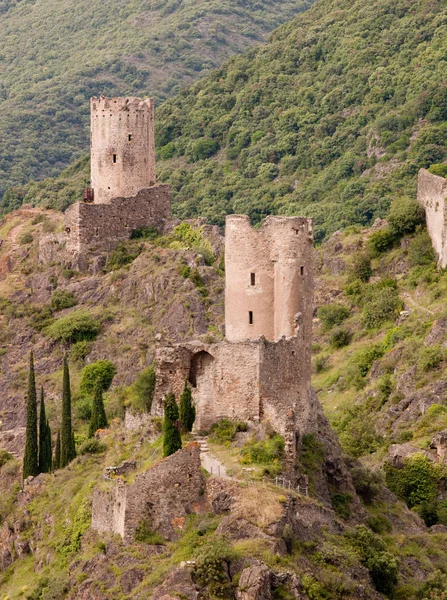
x,y
122,147
432,195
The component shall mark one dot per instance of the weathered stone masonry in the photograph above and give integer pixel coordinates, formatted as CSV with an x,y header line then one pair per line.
x,y
162,497
261,372
432,194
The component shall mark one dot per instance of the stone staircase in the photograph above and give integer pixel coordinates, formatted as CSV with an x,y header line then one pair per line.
x,y
209,462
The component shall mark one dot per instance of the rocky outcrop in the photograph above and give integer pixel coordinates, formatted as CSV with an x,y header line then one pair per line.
x,y
255,583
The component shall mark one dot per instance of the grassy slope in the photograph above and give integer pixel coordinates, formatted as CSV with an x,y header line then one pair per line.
x,y
331,119
55,55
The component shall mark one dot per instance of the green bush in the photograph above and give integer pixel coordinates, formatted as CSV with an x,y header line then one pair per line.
x,y
26,238
321,363
361,267
224,430
420,251
380,304
332,314
99,373
417,481
431,357
263,452
381,241
372,552
145,535
123,255
380,524
4,457
405,215
212,566
80,350
340,338
204,149
141,392
439,169
74,327
341,504
367,483
144,233
62,299
92,446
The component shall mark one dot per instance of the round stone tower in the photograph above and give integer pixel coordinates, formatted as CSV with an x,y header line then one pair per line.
x,y
122,147
268,278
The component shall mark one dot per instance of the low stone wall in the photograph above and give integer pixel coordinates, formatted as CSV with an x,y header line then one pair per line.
x,y
432,194
162,497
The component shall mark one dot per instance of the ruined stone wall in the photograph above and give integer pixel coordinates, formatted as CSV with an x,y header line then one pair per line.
x,y
122,147
252,380
100,227
162,497
269,277
432,194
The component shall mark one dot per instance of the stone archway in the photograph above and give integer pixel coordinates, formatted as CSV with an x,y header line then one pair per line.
x,y
200,363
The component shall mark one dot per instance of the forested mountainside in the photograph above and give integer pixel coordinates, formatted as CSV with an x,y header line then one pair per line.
x,y
54,55
331,119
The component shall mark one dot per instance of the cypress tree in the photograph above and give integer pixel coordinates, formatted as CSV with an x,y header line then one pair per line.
x,y
31,456
44,455
57,452
172,440
99,418
49,448
68,451
187,410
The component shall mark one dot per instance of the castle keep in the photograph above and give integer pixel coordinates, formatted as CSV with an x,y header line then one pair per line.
x,y
432,194
123,195
261,371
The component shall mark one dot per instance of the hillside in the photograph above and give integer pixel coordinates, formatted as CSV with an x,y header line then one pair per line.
x,y
379,361
55,55
331,119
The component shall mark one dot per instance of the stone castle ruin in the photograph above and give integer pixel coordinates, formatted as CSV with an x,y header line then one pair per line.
x,y
261,371
432,195
124,195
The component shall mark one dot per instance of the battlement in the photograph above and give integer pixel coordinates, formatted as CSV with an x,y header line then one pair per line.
x,y
269,277
122,147
432,195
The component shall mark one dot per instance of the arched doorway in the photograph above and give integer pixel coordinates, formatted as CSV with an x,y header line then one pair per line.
x,y
201,378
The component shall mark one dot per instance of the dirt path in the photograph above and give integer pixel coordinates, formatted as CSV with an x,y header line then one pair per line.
x,y
407,298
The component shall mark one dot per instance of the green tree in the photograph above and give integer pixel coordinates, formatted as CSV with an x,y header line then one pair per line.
x,y
68,450
44,438
187,410
31,456
99,418
172,440
99,373
57,452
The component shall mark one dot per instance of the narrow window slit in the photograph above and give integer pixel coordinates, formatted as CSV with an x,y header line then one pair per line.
x,y
253,278
129,137
114,158
250,317
302,271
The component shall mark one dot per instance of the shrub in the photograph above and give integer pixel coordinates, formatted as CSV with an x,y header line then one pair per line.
x,y
142,390
263,452
99,373
380,304
431,357
405,215
420,251
416,482
4,457
332,314
381,241
439,169
25,239
168,151
74,327
321,363
212,565
341,503
123,254
145,535
341,338
367,483
80,350
224,430
361,267
62,299
380,524
92,446
204,149
144,233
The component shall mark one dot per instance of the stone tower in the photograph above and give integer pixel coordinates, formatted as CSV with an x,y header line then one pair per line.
x,y
122,147
269,278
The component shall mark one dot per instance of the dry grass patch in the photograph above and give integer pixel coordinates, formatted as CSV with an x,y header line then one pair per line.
x,y
260,505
